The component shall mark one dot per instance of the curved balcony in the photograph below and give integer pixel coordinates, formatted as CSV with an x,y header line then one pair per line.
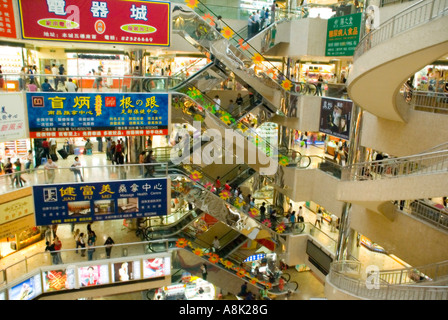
x,y
385,58
421,283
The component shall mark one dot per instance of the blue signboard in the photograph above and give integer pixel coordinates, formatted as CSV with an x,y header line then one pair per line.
x,y
62,114
84,202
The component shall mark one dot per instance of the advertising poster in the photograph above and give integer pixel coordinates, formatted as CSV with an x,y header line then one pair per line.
x,y
56,280
93,275
125,271
16,216
335,117
26,290
7,21
62,114
12,117
83,202
156,267
112,21
343,35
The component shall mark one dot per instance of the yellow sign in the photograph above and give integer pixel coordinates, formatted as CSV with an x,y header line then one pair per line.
x,y
16,216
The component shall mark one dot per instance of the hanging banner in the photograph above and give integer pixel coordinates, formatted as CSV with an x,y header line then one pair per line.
x,y
7,21
335,117
343,35
111,21
84,202
12,117
61,114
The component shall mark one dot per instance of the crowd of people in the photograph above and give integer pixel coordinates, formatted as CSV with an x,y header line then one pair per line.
x,y
85,241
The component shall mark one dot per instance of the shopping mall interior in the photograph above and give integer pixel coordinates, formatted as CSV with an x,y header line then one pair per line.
x,y
223,150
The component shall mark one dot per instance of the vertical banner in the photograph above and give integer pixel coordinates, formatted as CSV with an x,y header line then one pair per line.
x,y
335,117
12,117
83,202
343,35
7,21
60,114
111,21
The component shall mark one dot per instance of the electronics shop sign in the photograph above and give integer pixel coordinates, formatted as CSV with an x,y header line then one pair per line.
x,y
84,202
108,21
343,35
61,114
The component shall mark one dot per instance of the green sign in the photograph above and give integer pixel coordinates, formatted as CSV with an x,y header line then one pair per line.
x,y
343,35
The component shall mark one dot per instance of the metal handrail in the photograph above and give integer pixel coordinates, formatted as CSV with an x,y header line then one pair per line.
x,y
417,14
418,164
402,284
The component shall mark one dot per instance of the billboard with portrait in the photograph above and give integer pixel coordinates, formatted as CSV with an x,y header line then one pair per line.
x,y
335,117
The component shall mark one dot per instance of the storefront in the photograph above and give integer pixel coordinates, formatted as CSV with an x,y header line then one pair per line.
x,y
12,59
191,288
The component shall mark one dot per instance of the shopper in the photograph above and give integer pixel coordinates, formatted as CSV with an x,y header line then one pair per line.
x,y
57,248
216,244
204,271
109,243
318,218
334,221
71,86
98,78
250,26
243,290
88,147
54,72
50,167
141,161
300,215
29,160
50,247
305,139
90,247
46,87
136,80
53,146
149,168
217,103
18,173
82,244
319,84
113,146
75,168
263,212
119,158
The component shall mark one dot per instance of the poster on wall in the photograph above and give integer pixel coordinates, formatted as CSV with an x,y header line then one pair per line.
x,y
335,117
125,271
112,21
89,276
83,202
343,35
7,20
12,117
16,216
156,267
26,290
63,114
59,279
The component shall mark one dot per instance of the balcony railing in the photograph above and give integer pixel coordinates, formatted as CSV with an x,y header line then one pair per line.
x,y
413,16
403,284
428,163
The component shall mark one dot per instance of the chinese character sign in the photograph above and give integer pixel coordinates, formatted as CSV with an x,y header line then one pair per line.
x,y
7,21
60,114
335,117
343,35
111,21
12,117
83,202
